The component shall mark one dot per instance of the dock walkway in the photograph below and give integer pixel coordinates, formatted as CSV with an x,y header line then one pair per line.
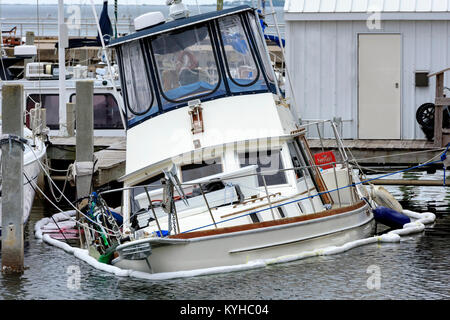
x,y
383,152
110,152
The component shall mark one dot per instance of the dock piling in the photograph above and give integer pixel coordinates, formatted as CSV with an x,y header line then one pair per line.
x,y
12,179
70,109
84,137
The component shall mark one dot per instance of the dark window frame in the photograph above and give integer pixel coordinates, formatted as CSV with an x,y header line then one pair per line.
x,y
147,70
252,51
149,42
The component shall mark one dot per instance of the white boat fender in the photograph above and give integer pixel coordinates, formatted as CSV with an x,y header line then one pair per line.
x,y
384,198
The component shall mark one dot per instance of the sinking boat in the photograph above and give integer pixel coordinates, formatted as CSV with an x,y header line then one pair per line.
x,y
218,170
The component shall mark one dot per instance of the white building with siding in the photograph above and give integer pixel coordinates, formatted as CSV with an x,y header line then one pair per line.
x,y
359,59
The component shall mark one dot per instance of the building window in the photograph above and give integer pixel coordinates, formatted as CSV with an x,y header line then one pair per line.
x,y
196,171
269,164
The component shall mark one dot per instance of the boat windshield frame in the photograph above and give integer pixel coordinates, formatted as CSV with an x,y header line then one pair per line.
x,y
225,86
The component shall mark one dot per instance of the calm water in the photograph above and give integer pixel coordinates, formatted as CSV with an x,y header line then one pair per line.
x,y
416,268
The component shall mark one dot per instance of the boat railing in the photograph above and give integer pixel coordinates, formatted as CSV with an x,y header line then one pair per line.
x,y
268,195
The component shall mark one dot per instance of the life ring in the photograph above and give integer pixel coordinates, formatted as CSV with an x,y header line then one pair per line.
x,y
384,198
181,61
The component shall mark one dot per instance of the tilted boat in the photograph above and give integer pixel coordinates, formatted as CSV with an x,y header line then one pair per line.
x,y
218,170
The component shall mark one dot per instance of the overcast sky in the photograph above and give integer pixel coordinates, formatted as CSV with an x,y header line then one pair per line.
x,y
122,2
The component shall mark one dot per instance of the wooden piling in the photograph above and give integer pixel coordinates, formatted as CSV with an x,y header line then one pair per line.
x,y
29,40
84,135
70,109
84,148
12,180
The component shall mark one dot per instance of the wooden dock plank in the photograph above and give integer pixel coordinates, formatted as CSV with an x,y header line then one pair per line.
x,y
383,152
110,155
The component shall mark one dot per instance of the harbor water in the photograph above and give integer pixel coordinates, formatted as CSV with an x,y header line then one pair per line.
x,y
416,268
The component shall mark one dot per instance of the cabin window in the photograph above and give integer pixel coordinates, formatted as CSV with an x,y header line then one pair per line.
x,y
186,63
139,93
106,111
269,164
254,24
196,171
239,60
48,101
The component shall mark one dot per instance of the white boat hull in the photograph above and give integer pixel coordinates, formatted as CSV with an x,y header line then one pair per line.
x,y
32,169
240,247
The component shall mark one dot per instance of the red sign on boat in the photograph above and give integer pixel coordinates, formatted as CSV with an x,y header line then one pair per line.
x,y
323,158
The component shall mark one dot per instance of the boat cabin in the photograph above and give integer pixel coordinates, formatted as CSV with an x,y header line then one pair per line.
x,y
202,100
208,56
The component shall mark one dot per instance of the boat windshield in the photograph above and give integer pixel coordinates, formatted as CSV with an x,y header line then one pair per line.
x,y
242,70
186,63
207,60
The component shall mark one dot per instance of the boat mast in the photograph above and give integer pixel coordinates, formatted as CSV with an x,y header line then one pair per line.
x,y
62,44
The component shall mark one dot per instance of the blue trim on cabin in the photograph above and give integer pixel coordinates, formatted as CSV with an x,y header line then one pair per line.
x,y
177,24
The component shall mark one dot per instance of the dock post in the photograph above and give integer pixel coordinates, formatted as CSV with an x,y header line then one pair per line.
x,y
70,110
84,136
29,40
12,180
84,159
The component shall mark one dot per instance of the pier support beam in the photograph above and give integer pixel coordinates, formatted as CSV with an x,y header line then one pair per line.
x,y
12,180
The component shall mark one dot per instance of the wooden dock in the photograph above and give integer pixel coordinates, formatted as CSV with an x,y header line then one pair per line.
x,y
110,153
382,152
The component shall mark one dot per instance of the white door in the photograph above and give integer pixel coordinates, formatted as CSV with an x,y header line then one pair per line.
x,y
379,87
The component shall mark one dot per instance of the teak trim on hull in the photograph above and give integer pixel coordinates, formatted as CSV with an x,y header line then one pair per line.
x,y
251,226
